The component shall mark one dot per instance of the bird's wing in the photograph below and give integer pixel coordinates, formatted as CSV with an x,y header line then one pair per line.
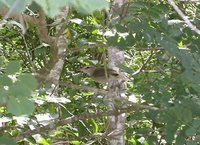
x,y
99,72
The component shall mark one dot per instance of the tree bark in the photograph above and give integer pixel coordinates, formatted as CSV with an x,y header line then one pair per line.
x,y
58,58
116,124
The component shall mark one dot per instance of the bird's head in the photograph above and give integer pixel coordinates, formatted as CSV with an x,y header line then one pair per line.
x,y
89,70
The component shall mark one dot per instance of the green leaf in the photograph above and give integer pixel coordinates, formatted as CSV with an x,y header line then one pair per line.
x,y
94,32
137,26
40,51
28,80
130,40
2,60
19,89
152,140
187,115
3,4
75,142
139,4
170,129
180,140
133,140
5,80
194,106
197,138
81,129
150,34
20,106
112,41
196,123
89,6
23,87
13,67
170,46
175,31
191,143
94,125
34,7
6,141
52,7
190,132
156,14
3,95
122,44
16,6
120,28
43,141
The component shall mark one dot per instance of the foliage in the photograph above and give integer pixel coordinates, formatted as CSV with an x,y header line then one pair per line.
x,y
15,88
52,7
155,41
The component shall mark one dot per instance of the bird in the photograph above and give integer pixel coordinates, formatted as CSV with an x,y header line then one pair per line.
x,y
102,75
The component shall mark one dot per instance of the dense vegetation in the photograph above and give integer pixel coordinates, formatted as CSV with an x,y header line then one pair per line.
x,y
162,62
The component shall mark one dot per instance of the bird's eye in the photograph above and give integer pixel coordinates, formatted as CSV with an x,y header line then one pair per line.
x,y
115,74
87,67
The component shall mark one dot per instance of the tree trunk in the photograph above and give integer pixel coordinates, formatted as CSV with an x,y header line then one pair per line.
x,y
116,124
61,45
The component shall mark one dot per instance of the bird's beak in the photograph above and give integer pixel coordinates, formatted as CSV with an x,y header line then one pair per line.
x,y
82,71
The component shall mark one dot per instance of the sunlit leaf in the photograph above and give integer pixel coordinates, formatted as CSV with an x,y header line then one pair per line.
x,y
43,141
75,142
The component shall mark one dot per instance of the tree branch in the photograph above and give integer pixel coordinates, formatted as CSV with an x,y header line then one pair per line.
x,y
84,116
143,66
78,87
42,30
181,14
27,18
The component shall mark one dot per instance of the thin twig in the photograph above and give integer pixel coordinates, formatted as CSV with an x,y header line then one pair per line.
x,y
28,55
182,15
142,67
